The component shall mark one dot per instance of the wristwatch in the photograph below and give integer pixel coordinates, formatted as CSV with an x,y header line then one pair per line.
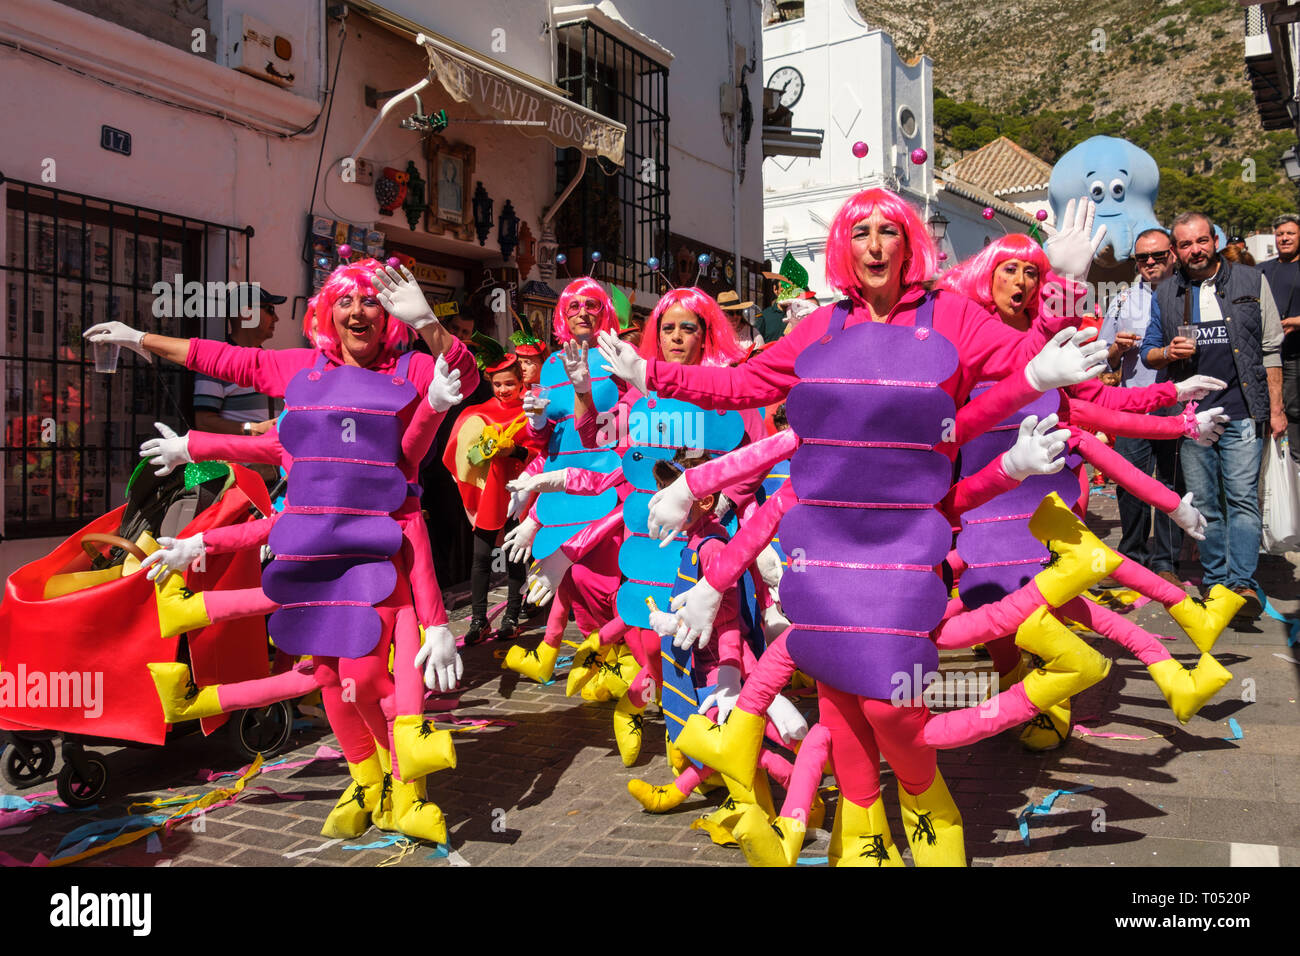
x,y
248,428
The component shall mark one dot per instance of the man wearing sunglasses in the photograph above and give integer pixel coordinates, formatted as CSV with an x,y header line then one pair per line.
x,y
1283,274
1237,337
1126,322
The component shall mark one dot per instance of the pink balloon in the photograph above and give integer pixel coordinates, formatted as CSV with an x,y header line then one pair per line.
x,y
943,257
988,212
860,149
394,262
919,156
344,251
1041,215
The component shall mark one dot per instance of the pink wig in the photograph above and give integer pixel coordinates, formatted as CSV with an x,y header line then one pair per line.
x,y
318,323
587,287
720,346
973,278
841,270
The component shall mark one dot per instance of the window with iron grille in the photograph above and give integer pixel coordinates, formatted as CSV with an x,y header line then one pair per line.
x,y
72,435
622,214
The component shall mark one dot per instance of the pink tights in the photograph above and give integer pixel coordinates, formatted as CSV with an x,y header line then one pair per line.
x,y
862,730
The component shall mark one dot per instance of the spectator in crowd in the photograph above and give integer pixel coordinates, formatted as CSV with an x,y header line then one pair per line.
x,y
1216,318
1126,323
1235,253
229,409
1283,275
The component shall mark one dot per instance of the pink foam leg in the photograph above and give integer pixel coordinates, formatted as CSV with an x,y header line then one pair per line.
x,y
807,774
1143,645
957,728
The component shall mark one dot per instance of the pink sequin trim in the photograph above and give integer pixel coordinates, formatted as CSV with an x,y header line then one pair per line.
x,y
319,510
858,504
845,443
1007,564
870,381
841,628
857,566
999,518
346,461
337,408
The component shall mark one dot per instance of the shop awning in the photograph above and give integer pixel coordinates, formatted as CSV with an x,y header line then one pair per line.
x,y
508,96
531,107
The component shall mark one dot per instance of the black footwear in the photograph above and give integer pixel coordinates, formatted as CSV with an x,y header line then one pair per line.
x,y
509,629
479,631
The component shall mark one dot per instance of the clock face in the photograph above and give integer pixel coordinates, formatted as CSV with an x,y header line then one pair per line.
x,y
790,82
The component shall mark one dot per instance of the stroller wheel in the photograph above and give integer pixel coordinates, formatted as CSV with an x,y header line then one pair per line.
x,y
262,730
77,791
21,770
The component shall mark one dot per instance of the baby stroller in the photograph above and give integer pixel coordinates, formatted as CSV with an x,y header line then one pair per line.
x,y
78,627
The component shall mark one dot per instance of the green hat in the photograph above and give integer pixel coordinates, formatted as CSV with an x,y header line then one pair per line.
x,y
622,306
793,279
525,343
487,350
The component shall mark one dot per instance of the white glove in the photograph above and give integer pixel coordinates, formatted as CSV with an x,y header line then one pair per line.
x,y
545,577
437,656
1070,357
1197,387
622,361
769,565
173,554
663,623
788,721
1070,250
444,390
774,622
118,333
1211,423
518,503
696,610
535,408
726,694
166,452
1187,517
670,508
518,542
400,295
574,357
546,481
1035,451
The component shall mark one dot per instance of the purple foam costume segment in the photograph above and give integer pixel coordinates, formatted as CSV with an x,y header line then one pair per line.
x,y
326,534
343,434
329,580
896,476
867,535
842,597
880,383
334,484
352,631
868,665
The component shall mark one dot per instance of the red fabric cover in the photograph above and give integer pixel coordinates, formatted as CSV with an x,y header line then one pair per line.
x,y
485,503
112,629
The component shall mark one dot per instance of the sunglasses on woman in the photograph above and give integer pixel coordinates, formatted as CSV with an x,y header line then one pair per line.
x,y
590,306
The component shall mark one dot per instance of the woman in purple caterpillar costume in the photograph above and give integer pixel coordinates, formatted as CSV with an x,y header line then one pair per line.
x,y
881,376
1014,276
351,402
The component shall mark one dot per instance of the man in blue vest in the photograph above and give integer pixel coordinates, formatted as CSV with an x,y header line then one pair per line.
x,y
1237,337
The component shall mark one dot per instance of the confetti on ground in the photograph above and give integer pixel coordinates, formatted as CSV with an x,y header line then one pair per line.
x,y
1235,728
1043,807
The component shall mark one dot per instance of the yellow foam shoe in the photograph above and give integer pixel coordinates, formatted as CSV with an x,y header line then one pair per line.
x,y
351,815
179,608
731,748
1189,691
1204,621
419,749
1049,730
620,668
860,836
721,822
181,699
586,664
1066,665
1079,558
628,721
656,799
932,824
382,815
414,815
768,844
539,663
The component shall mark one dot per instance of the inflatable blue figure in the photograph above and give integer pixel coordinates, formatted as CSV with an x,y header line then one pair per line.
x,y
1121,179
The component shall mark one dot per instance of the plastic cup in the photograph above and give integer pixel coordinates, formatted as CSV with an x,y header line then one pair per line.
x,y
106,355
1188,332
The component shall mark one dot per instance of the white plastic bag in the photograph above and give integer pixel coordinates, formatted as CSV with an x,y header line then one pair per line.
x,y
1281,512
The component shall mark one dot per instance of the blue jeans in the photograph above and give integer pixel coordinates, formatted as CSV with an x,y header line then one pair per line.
x,y
1147,455
1224,482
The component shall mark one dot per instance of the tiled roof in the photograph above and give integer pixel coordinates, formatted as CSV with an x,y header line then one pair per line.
x,y
1002,167
949,183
